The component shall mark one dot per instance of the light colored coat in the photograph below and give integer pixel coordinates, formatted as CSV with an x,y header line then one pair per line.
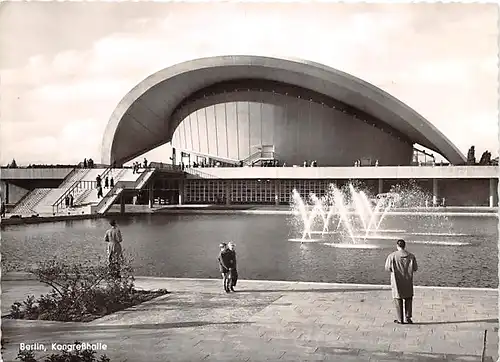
x,y
401,264
114,239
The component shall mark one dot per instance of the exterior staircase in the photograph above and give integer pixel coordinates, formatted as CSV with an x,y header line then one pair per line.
x,y
83,187
111,196
26,206
263,153
81,184
76,175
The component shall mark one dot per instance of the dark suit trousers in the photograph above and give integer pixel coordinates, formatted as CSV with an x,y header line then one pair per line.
x,y
407,307
234,277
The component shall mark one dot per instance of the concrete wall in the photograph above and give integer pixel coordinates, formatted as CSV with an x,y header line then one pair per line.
x,y
12,193
462,192
298,128
34,173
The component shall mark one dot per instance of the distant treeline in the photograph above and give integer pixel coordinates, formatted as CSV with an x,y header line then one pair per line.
x,y
43,166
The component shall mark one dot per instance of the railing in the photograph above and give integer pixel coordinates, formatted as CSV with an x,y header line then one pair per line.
x,y
114,192
249,160
70,175
195,171
143,176
78,185
165,166
103,205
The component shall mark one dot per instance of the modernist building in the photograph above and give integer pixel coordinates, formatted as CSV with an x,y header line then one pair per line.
x,y
230,107
248,109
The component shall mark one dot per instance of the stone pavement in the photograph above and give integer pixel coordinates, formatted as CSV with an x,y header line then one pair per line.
x,y
276,321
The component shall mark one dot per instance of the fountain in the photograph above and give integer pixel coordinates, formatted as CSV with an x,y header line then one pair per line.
x,y
358,218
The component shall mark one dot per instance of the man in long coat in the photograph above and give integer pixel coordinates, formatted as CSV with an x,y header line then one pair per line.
x,y
224,259
115,257
402,264
233,271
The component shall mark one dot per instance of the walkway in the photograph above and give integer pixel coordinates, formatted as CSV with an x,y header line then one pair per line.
x,y
276,321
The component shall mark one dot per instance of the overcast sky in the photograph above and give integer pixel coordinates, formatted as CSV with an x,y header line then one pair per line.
x,y
66,65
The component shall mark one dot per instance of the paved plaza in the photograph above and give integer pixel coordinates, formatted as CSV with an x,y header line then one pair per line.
x,y
274,321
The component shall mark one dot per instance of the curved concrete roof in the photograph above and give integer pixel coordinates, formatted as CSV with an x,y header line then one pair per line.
x,y
143,120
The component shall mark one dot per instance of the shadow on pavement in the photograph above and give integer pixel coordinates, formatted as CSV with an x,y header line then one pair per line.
x,y
319,290
80,326
493,320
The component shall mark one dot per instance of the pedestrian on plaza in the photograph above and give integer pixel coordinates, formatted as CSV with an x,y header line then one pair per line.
x,y
402,264
99,192
106,182
145,163
111,182
224,260
66,201
114,239
71,200
98,181
232,270
2,209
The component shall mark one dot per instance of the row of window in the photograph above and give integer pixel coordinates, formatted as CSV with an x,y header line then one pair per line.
x,y
251,190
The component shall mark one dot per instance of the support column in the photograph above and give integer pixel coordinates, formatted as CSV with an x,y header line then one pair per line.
x,y
276,192
435,192
181,191
492,193
151,194
122,203
228,192
380,186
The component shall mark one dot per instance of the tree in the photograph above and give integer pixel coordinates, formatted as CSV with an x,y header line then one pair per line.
x,y
13,164
471,156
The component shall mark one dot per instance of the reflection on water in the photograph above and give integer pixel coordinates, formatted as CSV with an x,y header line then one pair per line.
x,y
187,246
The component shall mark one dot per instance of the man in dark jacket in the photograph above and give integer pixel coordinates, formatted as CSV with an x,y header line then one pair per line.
x,y
402,264
233,272
224,266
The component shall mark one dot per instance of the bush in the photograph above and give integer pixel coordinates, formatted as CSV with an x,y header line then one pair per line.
x,y
78,355
81,293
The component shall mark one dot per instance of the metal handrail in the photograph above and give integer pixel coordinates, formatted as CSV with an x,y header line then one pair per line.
x,y
69,175
78,185
252,156
121,185
86,185
109,195
70,189
165,166
195,171
143,175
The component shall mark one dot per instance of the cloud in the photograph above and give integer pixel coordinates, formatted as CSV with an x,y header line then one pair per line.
x,y
441,60
82,91
71,143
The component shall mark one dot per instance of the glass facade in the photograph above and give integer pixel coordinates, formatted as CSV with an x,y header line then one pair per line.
x,y
250,191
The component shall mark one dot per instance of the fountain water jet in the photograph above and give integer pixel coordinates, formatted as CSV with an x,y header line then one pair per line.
x,y
334,203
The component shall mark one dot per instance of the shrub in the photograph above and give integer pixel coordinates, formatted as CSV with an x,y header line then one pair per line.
x,y
81,293
78,355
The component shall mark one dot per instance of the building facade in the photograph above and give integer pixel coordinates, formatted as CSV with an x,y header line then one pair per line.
x,y
260,120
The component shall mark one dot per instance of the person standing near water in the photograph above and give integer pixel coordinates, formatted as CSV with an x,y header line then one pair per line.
x,y
233,271
402,264
114,239
224,266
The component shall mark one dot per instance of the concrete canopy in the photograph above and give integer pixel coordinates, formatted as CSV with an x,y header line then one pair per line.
x,y
143,119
